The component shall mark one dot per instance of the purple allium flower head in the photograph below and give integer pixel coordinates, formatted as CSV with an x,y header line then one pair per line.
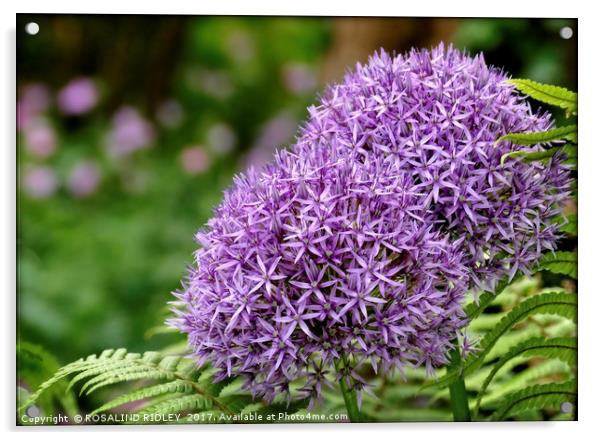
x,y
79,96
84,179
358,244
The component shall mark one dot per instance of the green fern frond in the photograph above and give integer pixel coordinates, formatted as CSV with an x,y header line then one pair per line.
x,y
126,376
475,308
568,222
215,388
551,395
547,93
35,365
563,263
173,387
237,402
568,150
549,371
561,304
114,365
183,385
564,349
188,402
568,133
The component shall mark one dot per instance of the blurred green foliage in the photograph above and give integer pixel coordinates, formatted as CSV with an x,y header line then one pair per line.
x,y
97,271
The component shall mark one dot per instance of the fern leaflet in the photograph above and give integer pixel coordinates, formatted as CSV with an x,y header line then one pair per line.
x,y
561,304
564,349
563,263
550,395
568,133
549,94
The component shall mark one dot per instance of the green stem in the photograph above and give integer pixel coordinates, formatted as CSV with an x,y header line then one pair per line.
x,y
457,390
349,396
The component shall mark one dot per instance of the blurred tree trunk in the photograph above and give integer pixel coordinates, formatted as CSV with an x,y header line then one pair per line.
x,y
136,55
355,39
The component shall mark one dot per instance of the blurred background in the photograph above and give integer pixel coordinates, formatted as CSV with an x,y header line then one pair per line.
x,y
130,127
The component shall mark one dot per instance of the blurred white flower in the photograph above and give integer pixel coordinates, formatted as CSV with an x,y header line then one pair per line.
x,y
221,138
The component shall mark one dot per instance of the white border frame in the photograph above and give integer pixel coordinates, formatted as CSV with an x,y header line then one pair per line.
x,y
590,301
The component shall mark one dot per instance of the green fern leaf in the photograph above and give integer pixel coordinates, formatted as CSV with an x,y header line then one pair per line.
x,y
549,371
570,227
215,388
35,365
536,397
108,363
568,150
568,133
184,391
563,263
176,386
564,349
96,368
237,402
186,403
561,304
549,94
474,309
129,376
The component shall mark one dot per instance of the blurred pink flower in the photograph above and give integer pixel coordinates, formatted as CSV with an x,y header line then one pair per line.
x,y
34,99
221,138
40,139
84,179
39,182
299,78
129,132
36,96
79,96
212,83
241,46
194,160
170,114
274,134
24,116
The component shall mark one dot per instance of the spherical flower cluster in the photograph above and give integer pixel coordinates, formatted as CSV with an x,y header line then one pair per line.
x,y
356,246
